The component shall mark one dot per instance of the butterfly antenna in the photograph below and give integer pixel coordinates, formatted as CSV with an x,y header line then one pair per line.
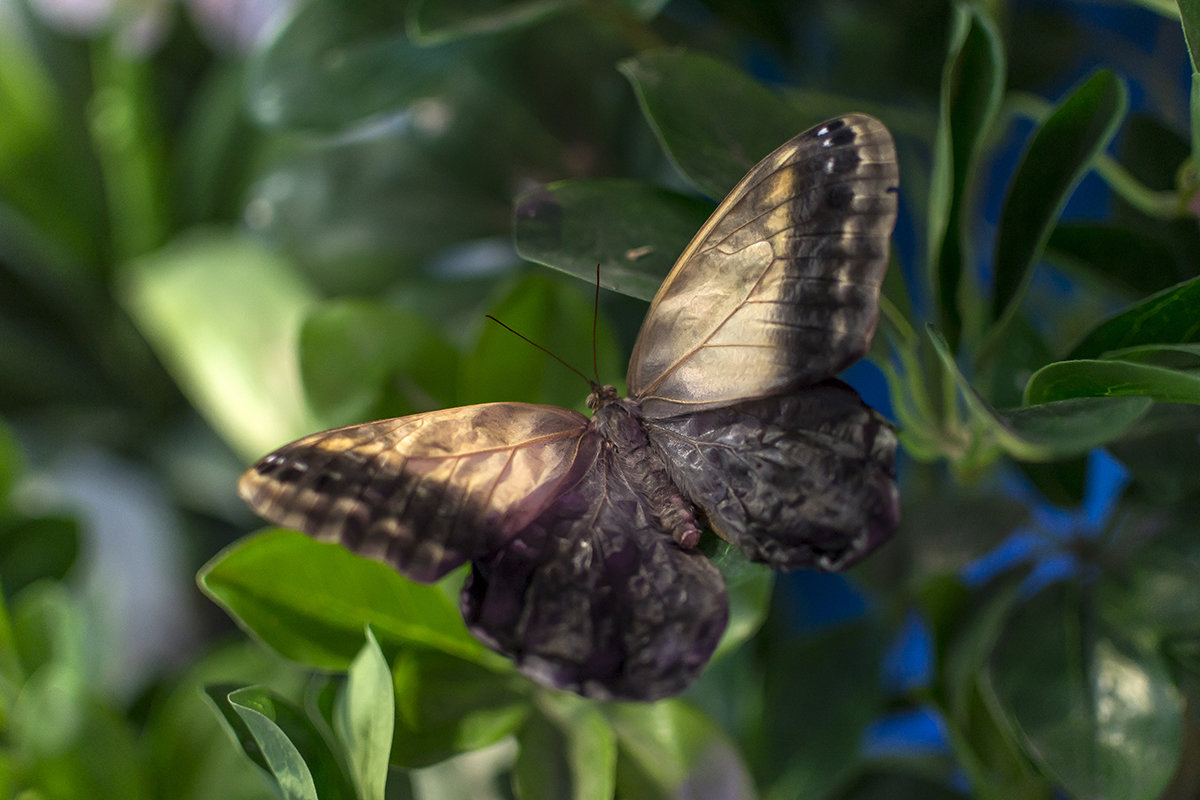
x,y
596,316
520,335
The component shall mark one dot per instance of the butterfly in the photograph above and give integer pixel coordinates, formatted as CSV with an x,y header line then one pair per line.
x,y
582,532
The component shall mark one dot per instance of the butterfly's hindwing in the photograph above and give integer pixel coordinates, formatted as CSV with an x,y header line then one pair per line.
x,y
780,288
802,480
595,596
423,493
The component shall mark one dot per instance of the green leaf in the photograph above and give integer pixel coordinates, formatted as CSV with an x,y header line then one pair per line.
x,y
1062,149
364,719
12,462
223,314
1130,260
1045,430
1189,15
819,694
1091,378
320,69
972,87
632,230
1171,316
714,121
37,548
749,587
668,749
446,706
310,600
364,360
567,750
435,21
555,314
264,717
1096,711
1172,356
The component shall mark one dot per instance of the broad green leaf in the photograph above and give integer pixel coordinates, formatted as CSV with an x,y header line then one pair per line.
x,y
1132,261
1045,430
260,713
632,230
1096,711
446,705
435,21
568,751
965,632
1170,317
1062,149
668,749
749,587
363,360
558,316
310,600
972,87
1172,356
1064,380
364,719
321,69
1154,590
714,121
819,694
35,548
223,313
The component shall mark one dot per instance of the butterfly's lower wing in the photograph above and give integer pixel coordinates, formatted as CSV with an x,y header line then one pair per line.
x,y
593,596
780,288
424,493
799,480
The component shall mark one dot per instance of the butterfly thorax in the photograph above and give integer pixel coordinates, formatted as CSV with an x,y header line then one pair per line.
x,y
619,423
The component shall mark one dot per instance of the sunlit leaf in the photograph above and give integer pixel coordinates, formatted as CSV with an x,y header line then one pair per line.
x,y
223,313
1096,711
364,719
446,705
1064,380
310,600
567,750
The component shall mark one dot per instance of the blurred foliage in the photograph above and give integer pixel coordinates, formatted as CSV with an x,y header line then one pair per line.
x,y
220,229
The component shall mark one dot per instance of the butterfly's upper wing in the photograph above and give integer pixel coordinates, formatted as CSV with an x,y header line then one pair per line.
x,y
805,479
425,493
780,288
594,596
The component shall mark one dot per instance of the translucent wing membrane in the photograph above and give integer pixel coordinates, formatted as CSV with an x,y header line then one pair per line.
x,y
596,597
802,480
423,493
780,288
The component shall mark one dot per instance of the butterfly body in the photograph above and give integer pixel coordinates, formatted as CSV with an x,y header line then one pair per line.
x,y
581,533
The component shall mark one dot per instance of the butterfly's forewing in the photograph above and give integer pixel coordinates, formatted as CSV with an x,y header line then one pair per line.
x,y
798,480
595,597
424,493
780,288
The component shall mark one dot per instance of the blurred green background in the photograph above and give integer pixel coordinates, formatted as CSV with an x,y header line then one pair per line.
x,y
227,224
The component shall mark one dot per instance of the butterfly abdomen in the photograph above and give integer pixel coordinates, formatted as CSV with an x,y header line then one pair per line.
x,y
621,427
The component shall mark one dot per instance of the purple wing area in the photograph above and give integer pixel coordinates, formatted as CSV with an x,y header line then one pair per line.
x,y
801,480
594,596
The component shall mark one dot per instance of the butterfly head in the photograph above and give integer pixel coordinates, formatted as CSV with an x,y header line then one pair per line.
x,y
601,396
